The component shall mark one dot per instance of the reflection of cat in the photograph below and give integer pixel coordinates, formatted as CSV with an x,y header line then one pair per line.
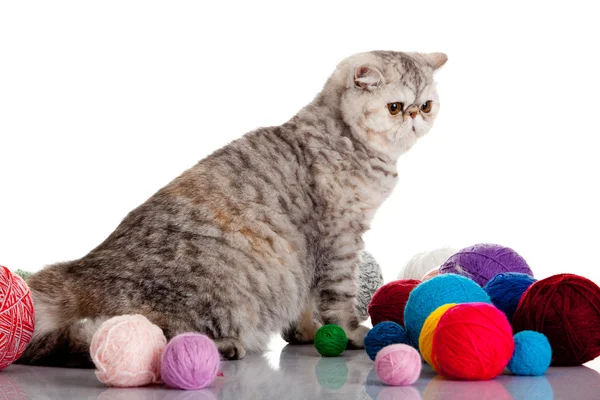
x,y
243,243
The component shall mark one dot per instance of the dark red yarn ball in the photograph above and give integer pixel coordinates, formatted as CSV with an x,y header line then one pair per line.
x,y
389,300
565,308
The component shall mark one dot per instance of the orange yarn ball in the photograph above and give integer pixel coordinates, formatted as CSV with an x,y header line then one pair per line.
x,y
388,302
472,341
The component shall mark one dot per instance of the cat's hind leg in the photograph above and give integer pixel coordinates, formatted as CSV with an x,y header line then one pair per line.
x,y
303,331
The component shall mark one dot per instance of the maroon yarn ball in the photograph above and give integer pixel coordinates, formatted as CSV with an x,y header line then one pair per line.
x,y
565,308
484,261
389,300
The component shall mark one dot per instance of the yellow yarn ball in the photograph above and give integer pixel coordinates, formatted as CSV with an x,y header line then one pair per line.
x,y
426,336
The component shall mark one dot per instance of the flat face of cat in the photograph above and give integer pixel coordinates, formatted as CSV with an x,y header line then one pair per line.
x,y
389,99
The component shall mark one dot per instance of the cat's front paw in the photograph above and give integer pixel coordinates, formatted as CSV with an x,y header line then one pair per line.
x,y
356,338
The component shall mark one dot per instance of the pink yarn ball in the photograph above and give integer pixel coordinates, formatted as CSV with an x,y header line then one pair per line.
x,y
16,317
398,365
431,274
190,361
126,351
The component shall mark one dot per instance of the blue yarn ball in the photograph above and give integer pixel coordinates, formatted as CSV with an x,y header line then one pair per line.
x,y
383,334
506,289
532,355
429,295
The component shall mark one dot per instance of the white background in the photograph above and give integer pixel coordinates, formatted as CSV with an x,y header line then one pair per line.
x,y
103,103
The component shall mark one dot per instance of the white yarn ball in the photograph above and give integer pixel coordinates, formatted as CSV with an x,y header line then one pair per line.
x,y
424,262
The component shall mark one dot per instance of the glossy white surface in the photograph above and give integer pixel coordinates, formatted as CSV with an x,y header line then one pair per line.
x,y
298,372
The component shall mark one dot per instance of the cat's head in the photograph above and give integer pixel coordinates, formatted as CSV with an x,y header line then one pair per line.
x,y
388,98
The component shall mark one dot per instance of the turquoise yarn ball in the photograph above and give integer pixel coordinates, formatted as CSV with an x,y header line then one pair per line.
x,y
506,289
384,334
532,355
429,295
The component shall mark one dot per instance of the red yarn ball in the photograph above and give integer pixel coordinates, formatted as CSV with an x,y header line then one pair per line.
x,y
16,317
389,300
565,308
472,341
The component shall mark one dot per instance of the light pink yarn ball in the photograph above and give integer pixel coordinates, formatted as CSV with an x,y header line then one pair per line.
x,y
398,365
126,351
431,274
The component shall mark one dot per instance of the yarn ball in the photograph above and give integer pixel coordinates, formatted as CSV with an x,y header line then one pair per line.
x,y
23,274
126,351
426,336
190,361
484,261
332,373
369,280
424,262
506,289
532,355
398,365
431,274
565,308
389,301
16,317
382,335
472,341
330,340
443,289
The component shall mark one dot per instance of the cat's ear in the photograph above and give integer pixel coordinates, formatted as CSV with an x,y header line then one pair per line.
x,y
435,60
367,77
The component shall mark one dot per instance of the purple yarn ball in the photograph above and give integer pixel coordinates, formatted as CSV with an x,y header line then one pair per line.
x,y
484,261
190,361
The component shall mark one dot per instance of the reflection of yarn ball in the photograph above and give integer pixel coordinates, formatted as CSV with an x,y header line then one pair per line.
x,y
369,280
126,351
506,289
332,373
190,361
426,336
484,261
330,340
398,365
472,341
16,317
424,262
446,389
383,334
431,274
399,392
532,354
388,302
532,388
565,308
428,296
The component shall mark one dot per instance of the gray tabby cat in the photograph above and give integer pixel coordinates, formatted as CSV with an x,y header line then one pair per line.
x,y
259,234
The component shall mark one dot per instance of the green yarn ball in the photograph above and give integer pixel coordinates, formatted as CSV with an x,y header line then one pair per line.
x,y
23,274
331,340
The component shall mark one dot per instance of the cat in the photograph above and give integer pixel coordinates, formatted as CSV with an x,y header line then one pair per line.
x,y
260,234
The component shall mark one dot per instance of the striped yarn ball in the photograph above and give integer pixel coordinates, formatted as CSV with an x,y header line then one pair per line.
x,y
16,317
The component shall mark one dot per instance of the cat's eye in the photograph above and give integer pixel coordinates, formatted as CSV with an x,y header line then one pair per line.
x,y
426,107
395,108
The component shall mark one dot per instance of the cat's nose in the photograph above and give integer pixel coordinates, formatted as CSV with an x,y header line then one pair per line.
x,y
412,111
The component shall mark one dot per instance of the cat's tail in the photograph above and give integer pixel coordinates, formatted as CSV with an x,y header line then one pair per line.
x,y
61,336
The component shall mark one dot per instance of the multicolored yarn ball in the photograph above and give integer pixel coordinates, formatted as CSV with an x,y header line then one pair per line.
x,y
126,351
382,335
426,336
332,373
389,301
431,274
369,280
472,341
428,296
190,361
16,317
506,289
532,355
398,365
424,262
565,308
482,262
330,340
